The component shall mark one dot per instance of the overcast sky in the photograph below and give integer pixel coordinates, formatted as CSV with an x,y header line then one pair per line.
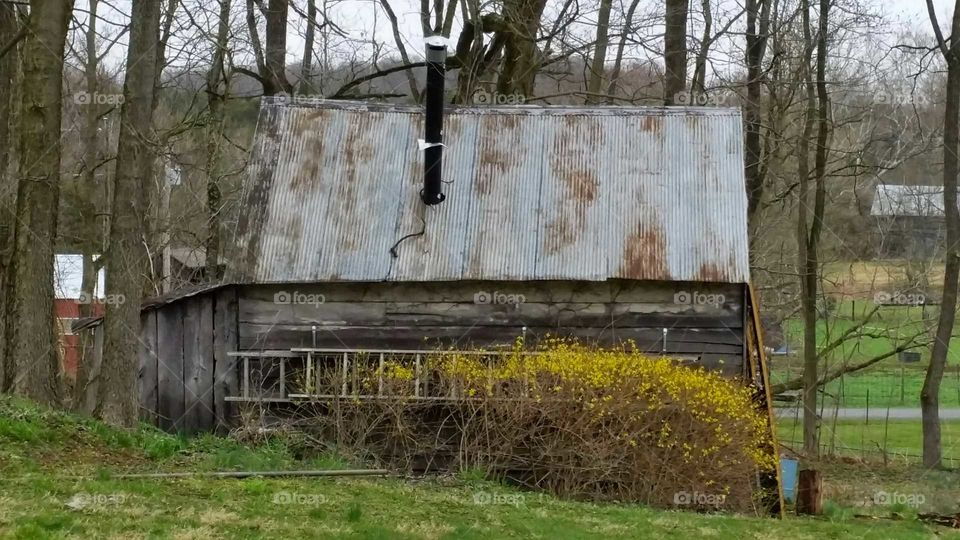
x,y
364,19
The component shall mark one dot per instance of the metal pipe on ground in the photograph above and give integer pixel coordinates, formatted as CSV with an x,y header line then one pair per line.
x,y
250,474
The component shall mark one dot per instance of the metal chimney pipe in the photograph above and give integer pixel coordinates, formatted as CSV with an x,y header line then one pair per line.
x,y
433,148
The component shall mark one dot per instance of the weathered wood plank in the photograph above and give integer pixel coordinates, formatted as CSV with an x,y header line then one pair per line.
x,y
225,340
620,291
147,357
170,366
198,364
567,314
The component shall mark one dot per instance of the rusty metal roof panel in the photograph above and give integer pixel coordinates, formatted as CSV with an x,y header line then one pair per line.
x,y
573,233
501,241
533,193
429,240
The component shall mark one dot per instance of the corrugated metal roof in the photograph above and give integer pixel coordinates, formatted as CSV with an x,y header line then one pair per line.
x,y
533,193
914,201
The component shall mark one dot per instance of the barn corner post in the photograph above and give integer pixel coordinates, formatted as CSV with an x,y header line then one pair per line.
x,y
760,379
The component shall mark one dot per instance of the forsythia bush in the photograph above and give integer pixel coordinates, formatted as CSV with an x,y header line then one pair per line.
x,y
580,422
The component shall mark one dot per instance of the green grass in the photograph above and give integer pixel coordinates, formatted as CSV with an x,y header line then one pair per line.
x,y
42,452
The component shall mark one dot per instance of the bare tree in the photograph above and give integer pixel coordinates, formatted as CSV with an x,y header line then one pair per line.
x,y
92,194
126,259
521,59
758,25
272,57
217,88
810,227
930,393
599,52
31,343
675,50
306,63
401,49
618,60
699,82
8,73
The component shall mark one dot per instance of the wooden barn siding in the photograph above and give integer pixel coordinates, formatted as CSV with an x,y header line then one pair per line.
x,y
185,373
170,338
407,315
226,381
147,377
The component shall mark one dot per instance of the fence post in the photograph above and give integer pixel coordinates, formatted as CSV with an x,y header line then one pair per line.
x,y
903,391
868,408
810,492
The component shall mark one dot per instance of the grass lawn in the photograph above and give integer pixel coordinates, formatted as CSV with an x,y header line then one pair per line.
x,y
56,481
900,438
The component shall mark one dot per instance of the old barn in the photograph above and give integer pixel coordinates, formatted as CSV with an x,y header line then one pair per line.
x,y
615,225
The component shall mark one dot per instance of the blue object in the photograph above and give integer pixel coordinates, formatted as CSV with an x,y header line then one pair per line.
x,y
788,478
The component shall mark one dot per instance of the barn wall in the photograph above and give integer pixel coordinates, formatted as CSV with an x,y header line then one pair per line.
x,y
425,315
185,372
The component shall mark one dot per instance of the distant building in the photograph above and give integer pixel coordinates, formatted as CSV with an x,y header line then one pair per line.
x,y
909,221
68,297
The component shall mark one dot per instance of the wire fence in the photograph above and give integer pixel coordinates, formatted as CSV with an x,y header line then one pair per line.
x,y
879,388
881,435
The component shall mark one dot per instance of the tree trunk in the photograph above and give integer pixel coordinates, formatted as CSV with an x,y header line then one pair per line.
x,y
91,195
127,259
217,84
599,53
275,54
807,262
698,85
930,393
675,50
8,190
31,340
306,65
521,56
758,24
618,61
